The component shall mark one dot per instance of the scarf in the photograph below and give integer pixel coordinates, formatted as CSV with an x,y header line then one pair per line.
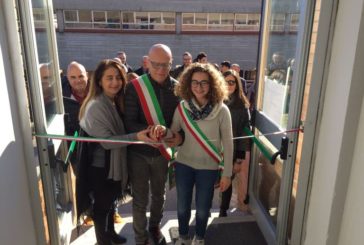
x,y
199,114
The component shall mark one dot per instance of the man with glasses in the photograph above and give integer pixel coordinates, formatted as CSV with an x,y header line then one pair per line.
x,y
149,100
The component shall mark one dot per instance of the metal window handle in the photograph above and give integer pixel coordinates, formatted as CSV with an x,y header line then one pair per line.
x,y
282,151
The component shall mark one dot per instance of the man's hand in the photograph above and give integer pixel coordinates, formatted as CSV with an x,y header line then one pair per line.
x,y
157,132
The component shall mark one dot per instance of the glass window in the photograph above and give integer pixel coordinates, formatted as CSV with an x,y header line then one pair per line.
x,y
141,18
227,19
254,19
293,26
113,16
241,19
70,15
214,19
277,22
99,16
84,16
155,17
188,18
169,18
128,17
201,18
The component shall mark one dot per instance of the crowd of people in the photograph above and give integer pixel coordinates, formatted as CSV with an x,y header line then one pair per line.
x,y
185,117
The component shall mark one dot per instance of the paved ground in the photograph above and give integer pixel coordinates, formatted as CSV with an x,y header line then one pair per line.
x,y
169,219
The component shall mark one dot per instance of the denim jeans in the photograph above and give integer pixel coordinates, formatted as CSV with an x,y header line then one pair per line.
x,y
186,179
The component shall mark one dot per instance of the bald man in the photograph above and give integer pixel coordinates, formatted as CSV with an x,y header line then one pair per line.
x,y
148,167
74,88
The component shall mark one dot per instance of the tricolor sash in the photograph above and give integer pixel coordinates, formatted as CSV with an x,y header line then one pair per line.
x,y
152,111
200,137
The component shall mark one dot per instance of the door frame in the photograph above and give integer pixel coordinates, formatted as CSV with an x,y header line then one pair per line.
x,y
279,236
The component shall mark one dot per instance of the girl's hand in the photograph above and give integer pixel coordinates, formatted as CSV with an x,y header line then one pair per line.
x,y
174,141
144,136
225,182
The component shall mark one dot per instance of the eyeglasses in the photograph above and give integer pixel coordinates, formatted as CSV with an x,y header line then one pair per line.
x,y
231,82
164,66
202,83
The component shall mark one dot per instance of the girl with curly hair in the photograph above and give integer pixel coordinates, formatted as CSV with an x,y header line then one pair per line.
x,y
207,146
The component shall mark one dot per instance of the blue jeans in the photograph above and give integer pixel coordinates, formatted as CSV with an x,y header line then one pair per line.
x,y
186,179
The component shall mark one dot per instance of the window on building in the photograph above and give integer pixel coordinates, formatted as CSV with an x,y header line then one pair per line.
x,y
293,25
220,22
149,21
113,19
277,22
247,22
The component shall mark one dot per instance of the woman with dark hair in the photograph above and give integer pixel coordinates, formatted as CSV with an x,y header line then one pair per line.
x,y
207,146
239,109
106,171
201,58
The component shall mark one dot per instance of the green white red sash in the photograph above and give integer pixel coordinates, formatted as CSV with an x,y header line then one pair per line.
x,y
200,137
152,111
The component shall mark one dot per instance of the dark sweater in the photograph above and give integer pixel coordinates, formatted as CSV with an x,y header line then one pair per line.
x,y
134,118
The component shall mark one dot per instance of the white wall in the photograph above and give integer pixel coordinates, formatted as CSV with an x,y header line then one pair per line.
x,y
337,185
17,193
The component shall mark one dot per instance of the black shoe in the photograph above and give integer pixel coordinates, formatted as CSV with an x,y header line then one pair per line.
x,y
117,239
222,213
157,236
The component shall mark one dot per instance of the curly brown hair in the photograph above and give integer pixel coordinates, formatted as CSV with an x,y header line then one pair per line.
x,y
217,92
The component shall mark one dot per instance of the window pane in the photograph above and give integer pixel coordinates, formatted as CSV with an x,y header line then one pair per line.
x,y
187,18
200,18
241,19
99,16
155,17
227,19
141,18
253,19
277,22
70,15
293,26
113,16
169,18
214,18
128,17
84,16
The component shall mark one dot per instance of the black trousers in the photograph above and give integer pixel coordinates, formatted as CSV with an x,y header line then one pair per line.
x,y
105,193
226,196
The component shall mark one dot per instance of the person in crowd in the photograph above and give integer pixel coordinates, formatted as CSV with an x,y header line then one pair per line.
x,y
239,108
201,58
47,81
101,116
208,145
143,69
74,89
236,67
225,66
145,97
187,60
122,56
278,63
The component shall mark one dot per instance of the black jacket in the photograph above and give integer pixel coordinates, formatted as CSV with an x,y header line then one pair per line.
x,y
71,108
240,118
134,118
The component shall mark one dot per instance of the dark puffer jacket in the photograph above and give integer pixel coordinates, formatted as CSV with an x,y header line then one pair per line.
x,y
134,118
240,118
